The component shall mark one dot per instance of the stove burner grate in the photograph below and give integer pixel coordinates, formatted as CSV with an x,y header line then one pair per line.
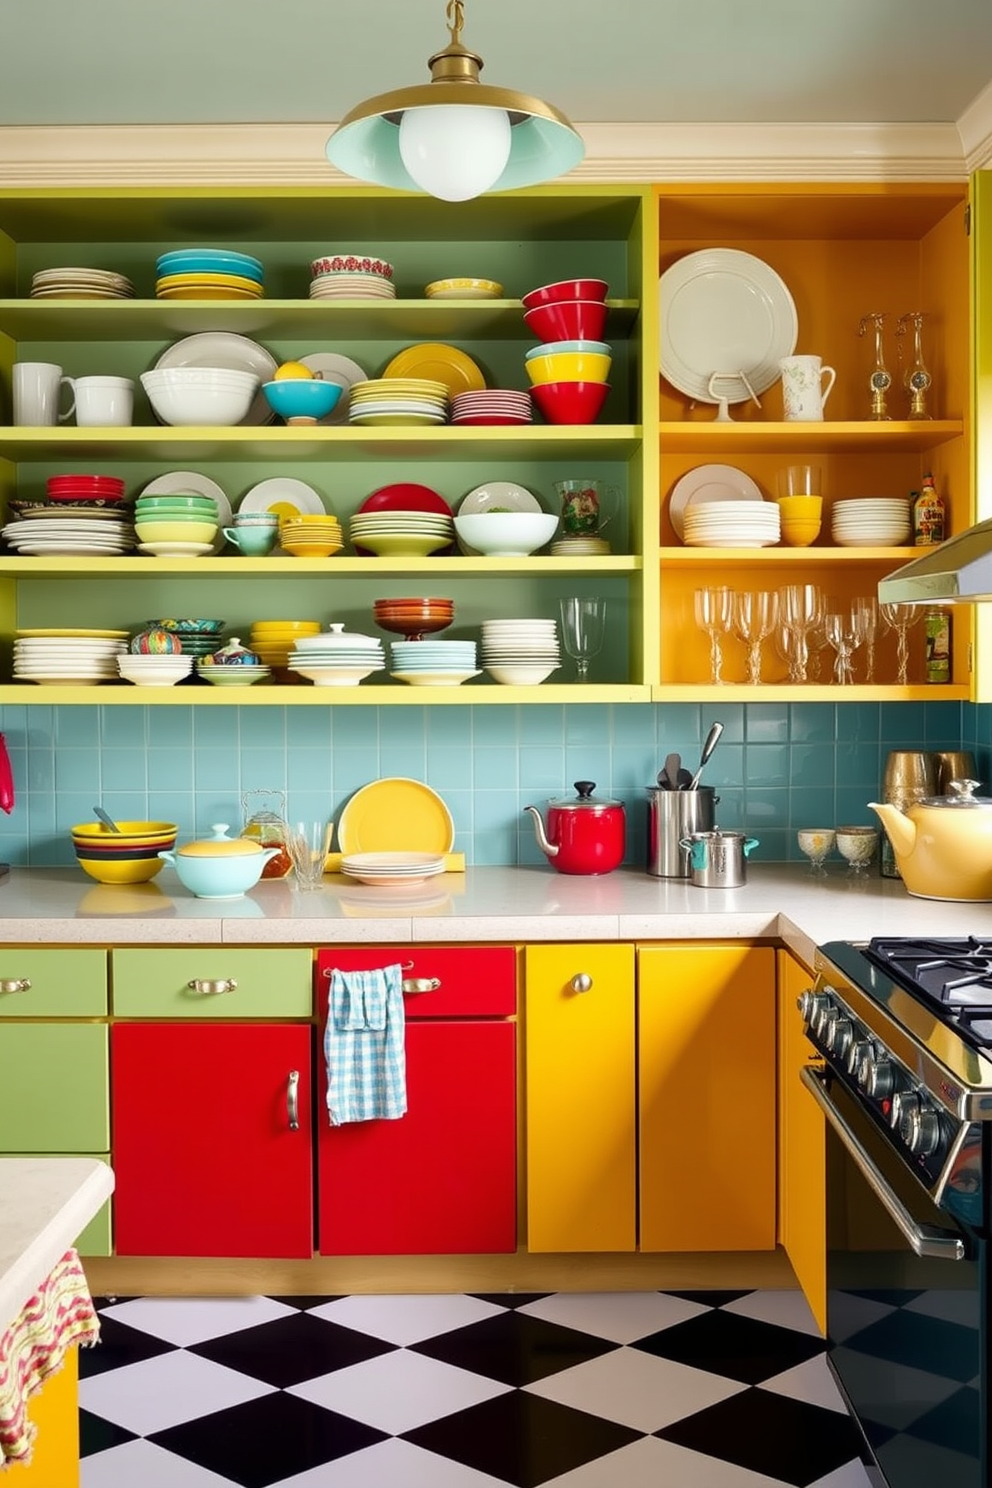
x,y
953,977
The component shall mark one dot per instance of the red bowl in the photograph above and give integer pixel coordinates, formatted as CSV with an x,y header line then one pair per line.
x,y
566,289
568,320
570,402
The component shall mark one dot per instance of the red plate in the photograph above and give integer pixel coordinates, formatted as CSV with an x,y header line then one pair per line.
x,y
405,496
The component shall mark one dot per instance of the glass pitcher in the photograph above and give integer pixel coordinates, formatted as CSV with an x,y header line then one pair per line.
x,y
587,506
265,823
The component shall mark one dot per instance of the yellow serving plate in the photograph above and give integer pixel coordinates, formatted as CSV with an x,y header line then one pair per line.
x,y
396,815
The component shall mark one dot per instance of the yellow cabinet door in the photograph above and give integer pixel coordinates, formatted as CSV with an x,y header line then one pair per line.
x,y
801,1136
579,1083
706,1082
55,1412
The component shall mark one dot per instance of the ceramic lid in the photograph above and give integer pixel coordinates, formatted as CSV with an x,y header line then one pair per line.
x,y
585,801
960,796
220,845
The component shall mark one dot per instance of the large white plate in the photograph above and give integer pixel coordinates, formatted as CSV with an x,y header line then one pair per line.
x,y
724,311
282,494
709,483
340,369
236,353
186,482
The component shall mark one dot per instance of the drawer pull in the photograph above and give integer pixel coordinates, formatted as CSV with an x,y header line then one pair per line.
x,y
15,984
420,984
292,1100
209,988
581,982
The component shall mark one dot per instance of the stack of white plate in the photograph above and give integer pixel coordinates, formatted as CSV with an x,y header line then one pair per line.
x,y
80,284
433,663
492,406
398,400
871,521
580,546
732,524
54,536
520,652
351,286
83,659
336,659
400,534
387,868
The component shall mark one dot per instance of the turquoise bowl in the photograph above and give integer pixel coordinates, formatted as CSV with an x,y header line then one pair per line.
x,y
227,876
302,400
549,348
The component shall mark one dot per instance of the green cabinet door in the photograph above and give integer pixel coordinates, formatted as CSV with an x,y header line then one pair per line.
x,y
53,1088
52,983
213,982
95,1239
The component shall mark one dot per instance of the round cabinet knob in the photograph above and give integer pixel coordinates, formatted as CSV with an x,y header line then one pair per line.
x,y
840,1036
581,982
856,1056
879,1078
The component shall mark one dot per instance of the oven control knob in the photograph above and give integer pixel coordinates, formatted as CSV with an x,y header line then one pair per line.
x,y
826,1021
919,1127
840,1037
858,1052
809,1003
880,1076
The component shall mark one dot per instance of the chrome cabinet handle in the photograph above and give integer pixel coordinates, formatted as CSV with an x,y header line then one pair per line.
x,y
421,984
292,1100
212,988
15,984
582,982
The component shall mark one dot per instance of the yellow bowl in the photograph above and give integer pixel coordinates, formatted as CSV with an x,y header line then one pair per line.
x,y
148,832
569,366
138,870
800,534
312,549
194,532
800,508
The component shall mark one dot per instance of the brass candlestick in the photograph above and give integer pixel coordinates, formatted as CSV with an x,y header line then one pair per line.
x,y
879,378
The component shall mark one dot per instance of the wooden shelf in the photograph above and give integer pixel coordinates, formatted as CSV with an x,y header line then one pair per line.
x,y
265,694
233,567
793,438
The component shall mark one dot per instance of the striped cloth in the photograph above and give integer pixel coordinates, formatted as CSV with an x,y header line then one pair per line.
x,y
34,1346
364,1046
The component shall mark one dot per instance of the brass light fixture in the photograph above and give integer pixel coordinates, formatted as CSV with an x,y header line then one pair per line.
x,y
454,137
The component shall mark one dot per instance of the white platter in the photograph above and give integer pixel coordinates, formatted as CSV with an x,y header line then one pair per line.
x,y
284,495
709,483
236,353
724,311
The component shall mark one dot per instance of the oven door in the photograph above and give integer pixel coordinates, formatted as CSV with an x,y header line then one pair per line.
x,y
906,1328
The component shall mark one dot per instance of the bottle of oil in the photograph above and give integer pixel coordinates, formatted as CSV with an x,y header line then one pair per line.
x,y
928,514
937,627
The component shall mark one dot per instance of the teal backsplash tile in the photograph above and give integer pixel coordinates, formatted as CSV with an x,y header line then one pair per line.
x,y
638,724
852,808
307,764
449,727
493,768
217,728
542,768
902,722
213,770
172,727
633,768
812,723
355,727
767,764
260,769
767,723
586,763
725,767
809,765
766,807
809,808
406,758
351,769
492,725
942,725
262,728
449,769
542,724
123,770
588,727
859,765
123,728
77,770
76,728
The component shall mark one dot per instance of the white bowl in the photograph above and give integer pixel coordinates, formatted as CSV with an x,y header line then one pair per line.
x,y
520,675
506,534
200,402
334,676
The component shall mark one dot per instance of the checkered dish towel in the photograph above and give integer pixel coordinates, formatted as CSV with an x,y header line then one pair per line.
x,y
364,1046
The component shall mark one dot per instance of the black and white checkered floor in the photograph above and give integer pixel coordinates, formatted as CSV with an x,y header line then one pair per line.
x,y
563,1390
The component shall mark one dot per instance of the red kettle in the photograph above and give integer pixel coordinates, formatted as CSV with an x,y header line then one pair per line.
x,y
584,835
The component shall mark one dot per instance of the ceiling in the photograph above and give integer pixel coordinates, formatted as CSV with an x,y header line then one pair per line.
x,y
122,62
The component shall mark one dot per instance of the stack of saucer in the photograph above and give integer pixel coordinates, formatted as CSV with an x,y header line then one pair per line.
x,y
310,536
398,400
80,284
732,524
580,545
492,406
872,521
400,534
433,663
518,652
387,868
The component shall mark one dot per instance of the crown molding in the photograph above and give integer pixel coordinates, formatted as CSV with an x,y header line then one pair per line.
x,y
293,154
975,128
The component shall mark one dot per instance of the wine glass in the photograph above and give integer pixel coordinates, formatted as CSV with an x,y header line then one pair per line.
x,y
800,607
844,629
867,607
755,617
715,614
815,843
901,618
583,622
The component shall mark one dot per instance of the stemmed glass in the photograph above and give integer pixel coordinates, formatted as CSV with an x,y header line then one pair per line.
x,y
901,618
583,622
800,607
844,629
866,606
857,846
715,614
755,617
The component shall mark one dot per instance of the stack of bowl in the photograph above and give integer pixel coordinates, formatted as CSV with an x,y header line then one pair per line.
x,y
310,536
800,519
400,534
202,396
433,663
180,526
414,618
871,521
520,653
128,856
569,370
336,659
90,492
154,670
273,640
196,637
351,276
208,274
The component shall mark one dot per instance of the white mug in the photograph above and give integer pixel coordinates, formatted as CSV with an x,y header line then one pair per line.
x,y
37,386
106,402
803,392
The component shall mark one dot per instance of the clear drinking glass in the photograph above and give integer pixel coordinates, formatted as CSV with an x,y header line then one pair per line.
x,y
755,617
800,607
901,618
844,629
866,606
714,610
309,843
583,624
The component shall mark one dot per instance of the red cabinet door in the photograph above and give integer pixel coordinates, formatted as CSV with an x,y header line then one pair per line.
x,y
206,1157
441,1179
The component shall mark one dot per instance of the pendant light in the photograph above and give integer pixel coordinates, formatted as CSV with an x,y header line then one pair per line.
x,y
454,137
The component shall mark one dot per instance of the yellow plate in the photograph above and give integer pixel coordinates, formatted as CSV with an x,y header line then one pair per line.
x,y
231,281
464,289
65,630
438,363
206,292
396,815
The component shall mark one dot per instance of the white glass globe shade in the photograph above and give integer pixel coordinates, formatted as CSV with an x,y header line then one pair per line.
x,y
454,151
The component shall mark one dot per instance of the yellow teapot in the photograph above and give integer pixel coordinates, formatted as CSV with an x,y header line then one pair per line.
x,y
943,845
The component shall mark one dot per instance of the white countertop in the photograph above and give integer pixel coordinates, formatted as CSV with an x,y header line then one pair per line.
x,y
44,1204
779,901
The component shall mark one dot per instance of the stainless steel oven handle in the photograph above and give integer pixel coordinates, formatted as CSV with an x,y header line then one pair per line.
x,y
924,1240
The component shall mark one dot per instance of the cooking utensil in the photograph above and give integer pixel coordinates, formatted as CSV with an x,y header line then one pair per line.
x,y
108,821
673,815
712,739
587,835
668,775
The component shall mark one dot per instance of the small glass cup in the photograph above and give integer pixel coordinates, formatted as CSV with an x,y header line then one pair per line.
x,y
858,846
815,843
309,843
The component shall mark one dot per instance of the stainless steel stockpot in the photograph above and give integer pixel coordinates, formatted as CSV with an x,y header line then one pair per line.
x,y
718,860
672,816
